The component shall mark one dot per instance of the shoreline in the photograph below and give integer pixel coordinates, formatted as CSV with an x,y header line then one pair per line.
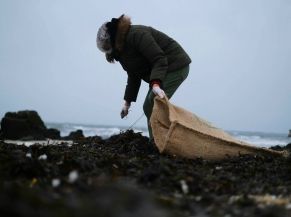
x,y
39,142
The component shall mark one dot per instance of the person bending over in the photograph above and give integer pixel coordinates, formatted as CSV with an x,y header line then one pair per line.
x,y
145,54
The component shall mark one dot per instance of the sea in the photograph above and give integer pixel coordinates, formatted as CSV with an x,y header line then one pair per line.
x,y
260,139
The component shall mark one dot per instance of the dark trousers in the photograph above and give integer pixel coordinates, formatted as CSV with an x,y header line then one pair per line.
x,y
170,84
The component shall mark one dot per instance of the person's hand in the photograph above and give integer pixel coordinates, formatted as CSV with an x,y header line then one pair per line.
x,y
125,109
158,91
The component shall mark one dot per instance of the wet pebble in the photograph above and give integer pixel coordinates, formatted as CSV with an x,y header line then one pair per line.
x,y
42,157
73,176
56,183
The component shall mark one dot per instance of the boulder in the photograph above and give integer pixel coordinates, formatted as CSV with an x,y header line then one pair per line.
x,y
18,125
52,133
26,125
75,135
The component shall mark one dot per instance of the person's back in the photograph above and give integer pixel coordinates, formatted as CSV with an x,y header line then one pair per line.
x,y
175,54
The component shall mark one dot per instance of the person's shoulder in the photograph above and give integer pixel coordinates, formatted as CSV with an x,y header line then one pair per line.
x,y
139,29
136,32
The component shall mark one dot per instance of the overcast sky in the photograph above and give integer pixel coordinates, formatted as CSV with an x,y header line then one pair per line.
x,y
240,75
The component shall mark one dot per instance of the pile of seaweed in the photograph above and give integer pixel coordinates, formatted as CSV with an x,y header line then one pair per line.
x,y
125,175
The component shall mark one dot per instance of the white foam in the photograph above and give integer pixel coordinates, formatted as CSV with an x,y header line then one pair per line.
x,y
40,142
263,139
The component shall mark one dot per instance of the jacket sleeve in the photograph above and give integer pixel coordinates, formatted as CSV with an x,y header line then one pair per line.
x,y
132,88
148,47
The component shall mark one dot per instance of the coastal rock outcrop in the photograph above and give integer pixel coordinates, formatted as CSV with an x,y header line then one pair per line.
x,y
75,135
26,125
53,133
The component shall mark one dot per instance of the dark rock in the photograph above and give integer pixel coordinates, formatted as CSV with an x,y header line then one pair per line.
x,y
277,148
288,146
53,133
26,125
94,139
17,125
75,135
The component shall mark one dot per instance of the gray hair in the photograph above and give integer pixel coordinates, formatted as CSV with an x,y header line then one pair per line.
x,y
103,39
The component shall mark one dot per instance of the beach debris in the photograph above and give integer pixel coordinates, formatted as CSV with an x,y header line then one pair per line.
x,y
42,157
198,198
184,187
263,200
178,195
73,176
270,200
56,183
33,182
218,168
60,162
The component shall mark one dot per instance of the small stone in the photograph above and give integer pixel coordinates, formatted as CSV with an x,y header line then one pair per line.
x,y
59,162
73,176
184,187
198,198
234,199
177,195
56,183
42,157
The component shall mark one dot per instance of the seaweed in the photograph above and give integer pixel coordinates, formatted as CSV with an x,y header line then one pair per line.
x,y
125,175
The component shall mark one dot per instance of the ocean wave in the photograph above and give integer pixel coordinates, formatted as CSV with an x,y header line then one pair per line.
x,y
261,139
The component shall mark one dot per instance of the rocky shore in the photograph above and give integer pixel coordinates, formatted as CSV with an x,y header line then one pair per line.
x,y
125,175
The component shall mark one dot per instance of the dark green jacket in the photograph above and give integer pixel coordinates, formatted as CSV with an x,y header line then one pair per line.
x,y
149,54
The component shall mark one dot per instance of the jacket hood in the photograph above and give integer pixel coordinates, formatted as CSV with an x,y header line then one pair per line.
x,y
122,30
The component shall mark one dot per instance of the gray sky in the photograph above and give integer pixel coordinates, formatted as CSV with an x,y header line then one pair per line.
x,y
239,77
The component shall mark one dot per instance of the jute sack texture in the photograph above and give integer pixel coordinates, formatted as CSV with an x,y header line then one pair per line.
x,y
182,133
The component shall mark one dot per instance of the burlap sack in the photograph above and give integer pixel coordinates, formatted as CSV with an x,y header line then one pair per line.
x,y
180,132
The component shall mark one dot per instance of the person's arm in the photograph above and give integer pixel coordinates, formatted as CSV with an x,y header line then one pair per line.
x,y
124,110
132,88
130,95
